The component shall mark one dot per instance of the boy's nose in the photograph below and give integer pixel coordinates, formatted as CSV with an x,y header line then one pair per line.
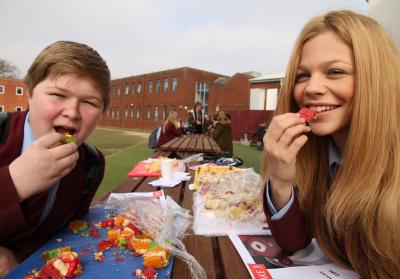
x,y
71,109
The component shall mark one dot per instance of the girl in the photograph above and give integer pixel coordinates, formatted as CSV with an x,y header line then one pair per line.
x,y
171,129
222,132
337,179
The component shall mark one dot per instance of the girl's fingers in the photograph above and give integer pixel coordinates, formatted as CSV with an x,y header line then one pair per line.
x,y
292,133
279,125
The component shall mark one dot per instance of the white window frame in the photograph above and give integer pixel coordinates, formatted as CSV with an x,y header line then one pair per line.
x,y
139,88
166,84
127,89
3,89
1,108
18,109
148,113
174,84
158,86
156,113
150,87
22,90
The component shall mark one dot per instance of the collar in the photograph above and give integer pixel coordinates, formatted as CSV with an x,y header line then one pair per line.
x,y
29,137
335,158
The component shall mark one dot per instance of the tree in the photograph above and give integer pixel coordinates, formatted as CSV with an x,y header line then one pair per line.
x,y
8,70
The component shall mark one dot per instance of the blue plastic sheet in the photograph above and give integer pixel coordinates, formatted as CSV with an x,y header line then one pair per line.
x,y
121,265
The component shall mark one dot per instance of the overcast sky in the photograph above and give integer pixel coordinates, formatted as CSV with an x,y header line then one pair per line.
x,y
142,36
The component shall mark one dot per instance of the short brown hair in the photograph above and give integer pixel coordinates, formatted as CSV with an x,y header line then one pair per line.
x,y
66,57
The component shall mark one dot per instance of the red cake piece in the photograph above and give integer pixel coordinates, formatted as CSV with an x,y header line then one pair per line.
x,y
307,114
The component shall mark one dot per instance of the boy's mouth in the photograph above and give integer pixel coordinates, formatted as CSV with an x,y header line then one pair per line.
x,y
63,130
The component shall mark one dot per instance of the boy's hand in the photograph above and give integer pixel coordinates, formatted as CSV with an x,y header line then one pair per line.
x,y
282,142
7,261
43,164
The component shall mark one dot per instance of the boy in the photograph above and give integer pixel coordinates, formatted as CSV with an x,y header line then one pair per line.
x,y
46,182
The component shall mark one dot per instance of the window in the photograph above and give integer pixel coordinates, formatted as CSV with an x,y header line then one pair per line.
x,y
19,91
148,115
139,88
157,86
164,112
126,113
155,113
126,90
2,89
201,94
150,87
174,83
165,85
1,108
18,109
132,113
173,108
137,112
133,88
118,90
112,113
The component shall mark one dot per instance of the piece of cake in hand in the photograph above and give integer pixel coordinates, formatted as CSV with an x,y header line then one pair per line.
x,y
307,114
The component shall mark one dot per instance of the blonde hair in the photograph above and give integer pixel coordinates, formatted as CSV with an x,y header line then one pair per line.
x,y
361,208
66,57
172,118
222,118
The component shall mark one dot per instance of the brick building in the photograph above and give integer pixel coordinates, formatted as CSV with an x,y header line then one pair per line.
x,y
143,101
13,95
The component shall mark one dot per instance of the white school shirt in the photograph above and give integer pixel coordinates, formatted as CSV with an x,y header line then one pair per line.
x,y
29,138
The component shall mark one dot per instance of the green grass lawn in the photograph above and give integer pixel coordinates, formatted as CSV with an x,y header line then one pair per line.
x,y
123,149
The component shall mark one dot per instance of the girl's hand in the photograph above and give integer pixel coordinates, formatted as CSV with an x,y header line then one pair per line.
x,y
8,261
282,142
43,164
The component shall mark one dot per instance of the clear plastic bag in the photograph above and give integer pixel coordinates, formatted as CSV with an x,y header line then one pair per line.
x,y
163,219
228,200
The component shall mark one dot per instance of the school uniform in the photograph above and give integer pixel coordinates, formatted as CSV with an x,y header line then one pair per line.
x,y
27,225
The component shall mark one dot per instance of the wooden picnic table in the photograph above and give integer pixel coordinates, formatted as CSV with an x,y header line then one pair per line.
x,y
192,143
216,255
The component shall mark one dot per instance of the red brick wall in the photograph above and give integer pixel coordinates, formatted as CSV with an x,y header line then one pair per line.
x,y
182,99
234,95
9,100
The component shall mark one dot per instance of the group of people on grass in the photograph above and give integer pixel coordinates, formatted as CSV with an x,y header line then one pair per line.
x,y
335,178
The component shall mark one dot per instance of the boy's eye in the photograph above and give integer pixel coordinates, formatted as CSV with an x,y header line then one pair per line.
x,y
60,95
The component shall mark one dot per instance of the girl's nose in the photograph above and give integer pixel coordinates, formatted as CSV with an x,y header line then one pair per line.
x,y
315,85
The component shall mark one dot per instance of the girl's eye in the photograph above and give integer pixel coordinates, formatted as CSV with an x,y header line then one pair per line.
x,y
335,72
302,77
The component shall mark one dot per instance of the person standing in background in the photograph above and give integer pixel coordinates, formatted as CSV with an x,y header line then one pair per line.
x,y
196,118
222,132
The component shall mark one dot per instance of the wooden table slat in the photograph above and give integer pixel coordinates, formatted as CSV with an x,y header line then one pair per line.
x,y
232,263
167,146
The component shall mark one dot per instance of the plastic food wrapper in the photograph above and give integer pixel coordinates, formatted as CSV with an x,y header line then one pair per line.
x,y
228,200
163,219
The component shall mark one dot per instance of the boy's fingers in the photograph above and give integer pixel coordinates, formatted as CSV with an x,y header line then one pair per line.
x,y
50,140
